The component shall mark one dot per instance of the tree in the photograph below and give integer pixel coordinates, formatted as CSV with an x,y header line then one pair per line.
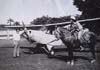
x,y
90,9
16,23
39,21
9,21
49,20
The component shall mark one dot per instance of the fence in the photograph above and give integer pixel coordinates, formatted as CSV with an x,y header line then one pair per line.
x,y
6,34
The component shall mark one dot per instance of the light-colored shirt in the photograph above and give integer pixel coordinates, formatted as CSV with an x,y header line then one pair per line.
x,y
79,25
16,36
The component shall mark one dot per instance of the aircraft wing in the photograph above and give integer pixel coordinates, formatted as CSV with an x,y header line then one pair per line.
x,y
87,20
36,26
58,24
22,27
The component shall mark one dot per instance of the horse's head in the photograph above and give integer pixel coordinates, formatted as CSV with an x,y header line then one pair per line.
x,y
63,33
57,32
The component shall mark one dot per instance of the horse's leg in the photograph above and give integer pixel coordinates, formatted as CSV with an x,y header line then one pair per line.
x,y
92,49
70,54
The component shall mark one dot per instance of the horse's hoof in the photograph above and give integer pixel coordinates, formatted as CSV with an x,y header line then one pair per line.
x,y
14,56
68,62
72,62
17,55
93,61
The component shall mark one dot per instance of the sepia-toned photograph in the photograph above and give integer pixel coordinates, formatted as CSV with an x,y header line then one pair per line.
x,y
49,35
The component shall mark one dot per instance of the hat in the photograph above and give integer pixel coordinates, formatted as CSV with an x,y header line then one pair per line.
x,y
73,18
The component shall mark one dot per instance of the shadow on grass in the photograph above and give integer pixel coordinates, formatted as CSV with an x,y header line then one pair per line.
x,y
61,57
66,58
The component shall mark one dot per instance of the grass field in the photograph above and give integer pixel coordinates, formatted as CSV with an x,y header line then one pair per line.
x,y
40,60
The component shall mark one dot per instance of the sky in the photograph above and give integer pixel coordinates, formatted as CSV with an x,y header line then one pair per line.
x,y
27,10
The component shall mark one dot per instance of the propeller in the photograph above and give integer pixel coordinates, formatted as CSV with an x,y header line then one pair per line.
x,y
23,24
25,30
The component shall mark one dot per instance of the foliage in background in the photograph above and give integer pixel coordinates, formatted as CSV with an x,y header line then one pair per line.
x,y
10,21
16,23
90,9
49,20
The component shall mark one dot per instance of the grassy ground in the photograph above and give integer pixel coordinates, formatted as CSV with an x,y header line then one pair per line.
x,y
40,60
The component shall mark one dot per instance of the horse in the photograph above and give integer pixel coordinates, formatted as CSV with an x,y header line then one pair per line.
x,y
41,37
88,39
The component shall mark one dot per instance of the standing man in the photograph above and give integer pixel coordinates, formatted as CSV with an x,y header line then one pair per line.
x,y
16,40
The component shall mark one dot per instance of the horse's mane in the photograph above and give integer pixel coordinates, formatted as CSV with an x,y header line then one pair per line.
x,y
66,35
